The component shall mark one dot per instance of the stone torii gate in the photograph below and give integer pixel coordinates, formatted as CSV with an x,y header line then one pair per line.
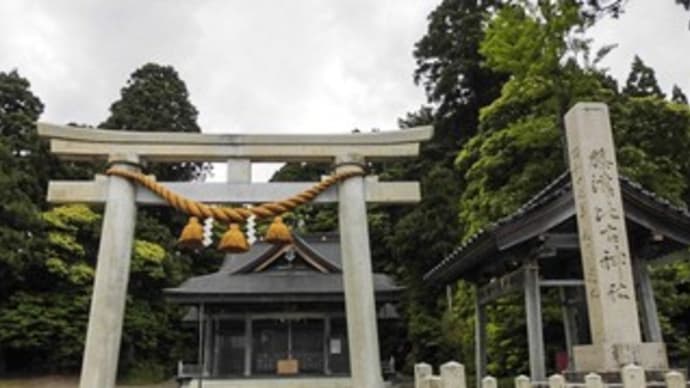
x,y
128,149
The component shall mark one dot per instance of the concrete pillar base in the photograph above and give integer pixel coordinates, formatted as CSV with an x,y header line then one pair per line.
x,y
604,358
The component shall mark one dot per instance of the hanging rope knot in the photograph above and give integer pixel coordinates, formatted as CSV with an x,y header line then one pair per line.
x,y
192,234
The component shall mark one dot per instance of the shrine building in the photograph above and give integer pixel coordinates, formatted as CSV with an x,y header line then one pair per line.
x,y
277,312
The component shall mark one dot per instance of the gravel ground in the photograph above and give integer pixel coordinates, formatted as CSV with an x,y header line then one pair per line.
x,y
65,382
72,382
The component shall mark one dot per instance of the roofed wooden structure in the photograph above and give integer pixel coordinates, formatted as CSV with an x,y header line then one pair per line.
x,y
537,246
276,305
546,223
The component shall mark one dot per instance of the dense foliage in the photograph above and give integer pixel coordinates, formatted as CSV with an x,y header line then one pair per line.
x,y
519,145
47,266
22,179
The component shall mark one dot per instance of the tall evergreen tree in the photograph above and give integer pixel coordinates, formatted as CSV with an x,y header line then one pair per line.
x,y
21,191
156,99
615,7
22,183
678,96
457,84
19,110
449,68
642,81
519,147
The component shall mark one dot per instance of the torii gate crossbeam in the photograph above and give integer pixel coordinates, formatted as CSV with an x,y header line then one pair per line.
x,y
125,149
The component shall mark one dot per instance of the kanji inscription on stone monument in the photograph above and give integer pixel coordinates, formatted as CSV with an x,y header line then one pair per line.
x,y
603,240
606,261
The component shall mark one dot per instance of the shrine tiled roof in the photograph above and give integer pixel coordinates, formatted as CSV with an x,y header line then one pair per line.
x,y
252,276
274,286
483,243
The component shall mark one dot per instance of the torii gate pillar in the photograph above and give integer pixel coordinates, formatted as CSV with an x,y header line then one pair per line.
x,y
99,365
358,280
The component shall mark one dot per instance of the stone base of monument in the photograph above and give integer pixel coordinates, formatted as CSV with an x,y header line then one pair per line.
x,y
610,358
614,377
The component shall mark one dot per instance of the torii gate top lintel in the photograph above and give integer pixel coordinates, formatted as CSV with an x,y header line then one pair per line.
x,y
74,143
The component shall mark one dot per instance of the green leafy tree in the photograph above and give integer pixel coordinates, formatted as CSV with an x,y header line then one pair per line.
x,y
642,81
651,137
518,148
671,284
45,322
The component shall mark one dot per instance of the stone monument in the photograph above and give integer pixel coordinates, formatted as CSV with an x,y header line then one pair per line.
x,y
606,262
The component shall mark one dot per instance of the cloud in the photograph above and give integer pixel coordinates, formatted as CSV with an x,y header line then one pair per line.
x,y
657,31
309,66
78,54
264,66
251,66
270,66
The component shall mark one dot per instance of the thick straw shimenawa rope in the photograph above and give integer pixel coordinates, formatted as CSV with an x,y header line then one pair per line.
x,y
228,214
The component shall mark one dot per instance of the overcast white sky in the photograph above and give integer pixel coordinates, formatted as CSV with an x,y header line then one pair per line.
x,y
267,65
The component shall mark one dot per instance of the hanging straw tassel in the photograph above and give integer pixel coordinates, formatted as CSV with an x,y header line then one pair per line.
x,y
192,236
233,240
278,232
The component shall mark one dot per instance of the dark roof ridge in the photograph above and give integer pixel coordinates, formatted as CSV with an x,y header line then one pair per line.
x,y
304,247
